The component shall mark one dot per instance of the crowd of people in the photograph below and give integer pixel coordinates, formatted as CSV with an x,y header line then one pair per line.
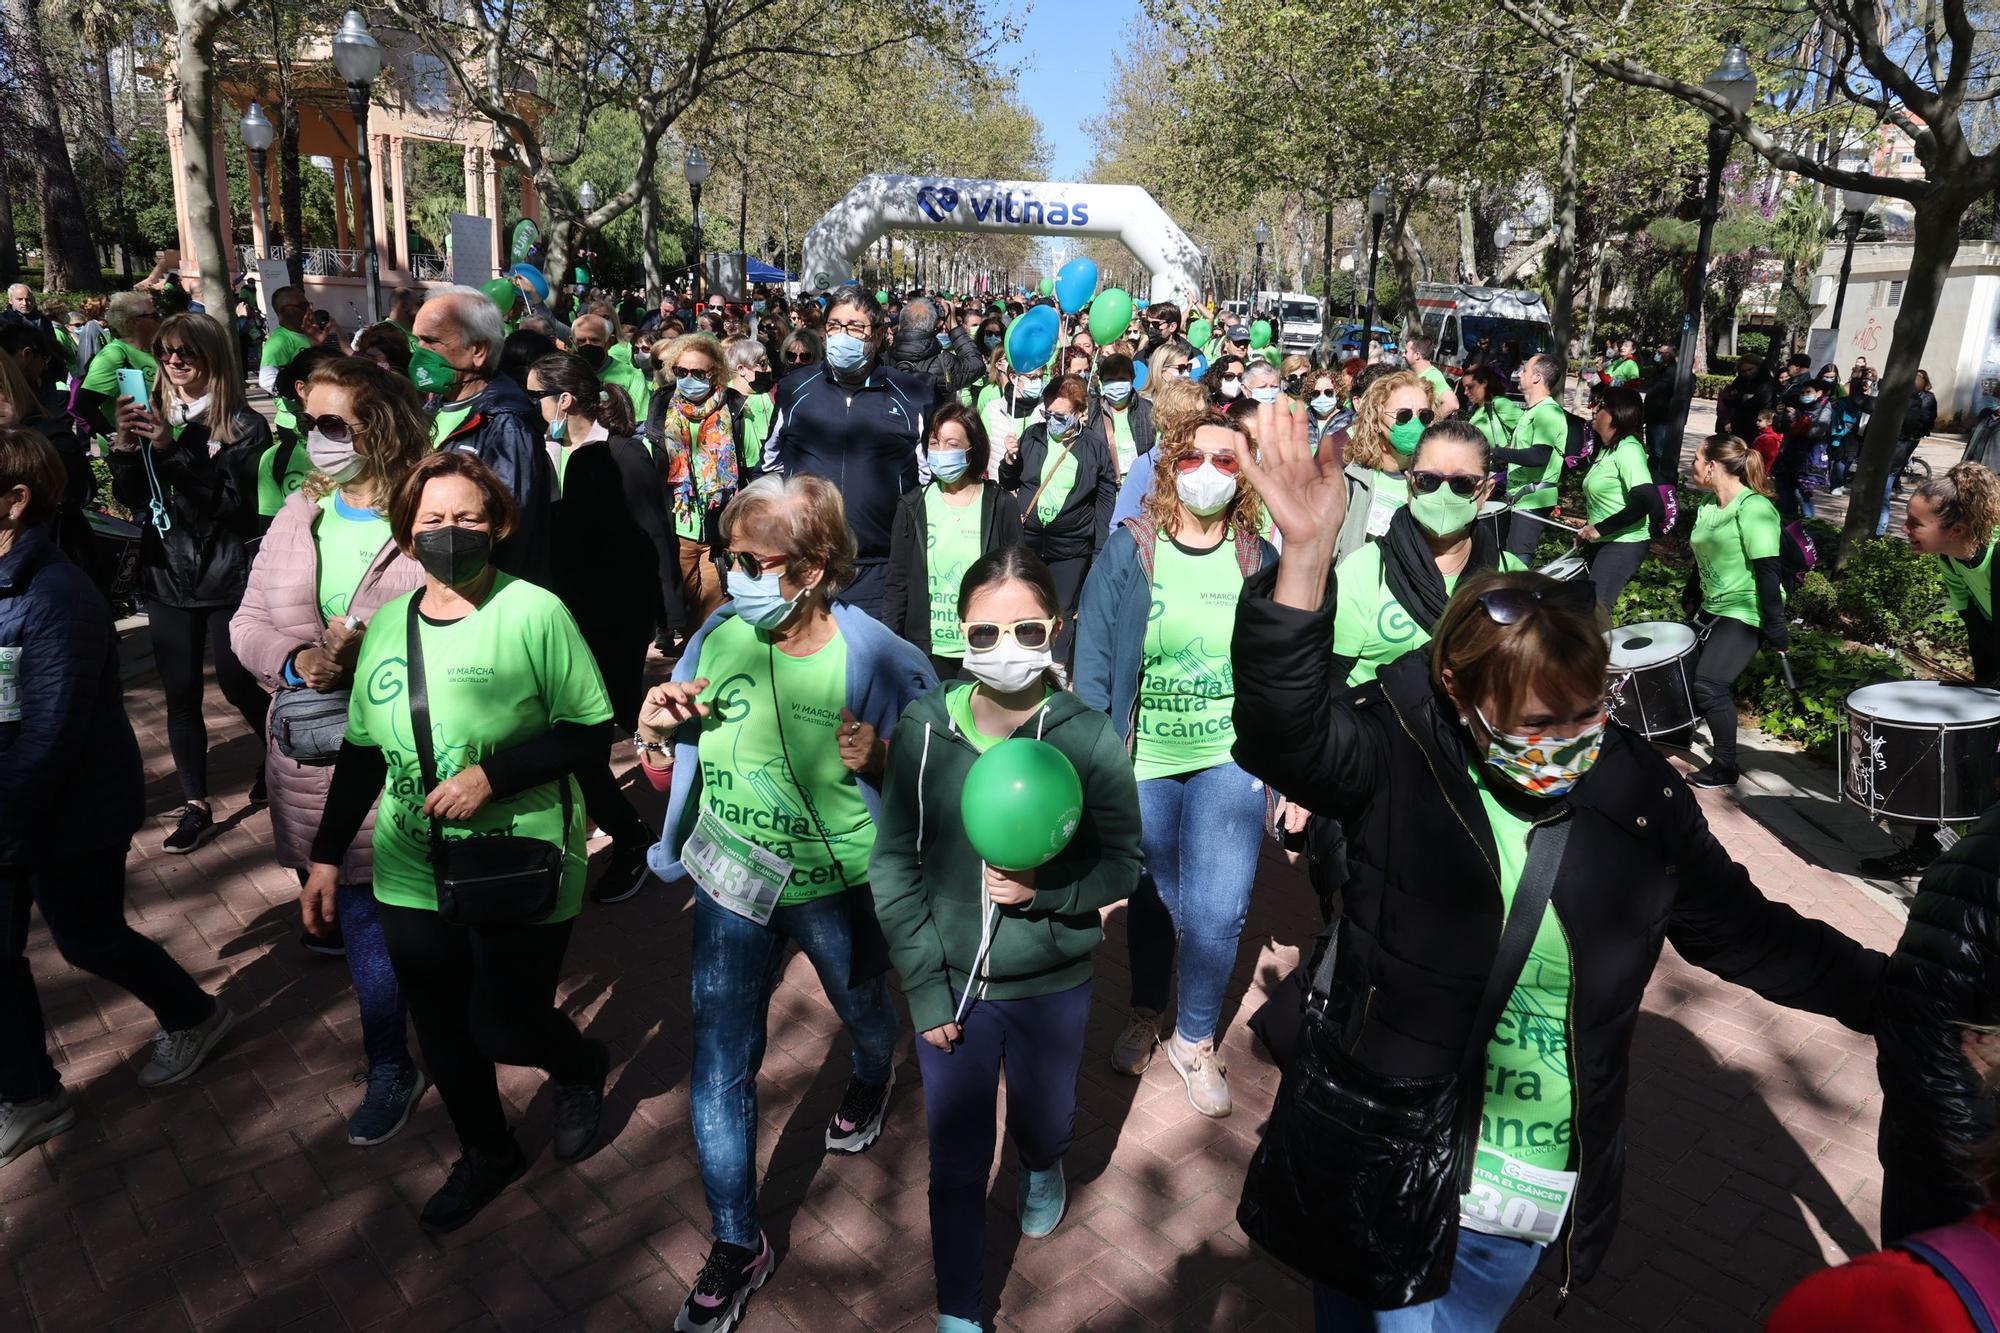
x,y
1243,594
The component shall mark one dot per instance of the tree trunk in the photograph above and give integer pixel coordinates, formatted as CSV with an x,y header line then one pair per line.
x,y
10,255
194,65
1596,296
1468,239
649,242
1562,258
1326,273
291,194
1935,246
69,257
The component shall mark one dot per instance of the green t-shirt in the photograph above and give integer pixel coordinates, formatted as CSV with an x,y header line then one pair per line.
x,y
1609,482
1497,421
636,386
348,539
1544,423
280,346
448,418
1392,492
758,409
1726,542
1369,624
745,779
114,356
495,679
1440,386
1052,492
1624,372
951,545
958,703
1187,684
1122,446
1530,1103
1971,585
281,469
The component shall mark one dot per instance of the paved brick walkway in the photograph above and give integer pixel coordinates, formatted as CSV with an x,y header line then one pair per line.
x,y
234,1203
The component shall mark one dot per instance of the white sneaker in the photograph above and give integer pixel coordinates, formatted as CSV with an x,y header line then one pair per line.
x,y
1201,1069
176,1055
25,1124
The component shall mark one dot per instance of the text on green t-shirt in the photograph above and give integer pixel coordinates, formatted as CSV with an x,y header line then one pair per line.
x,y
951,545
348,540
1187,684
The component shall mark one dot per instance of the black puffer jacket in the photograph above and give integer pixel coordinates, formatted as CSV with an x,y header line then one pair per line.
x,y
949,369
202,556
1944,974
1422,906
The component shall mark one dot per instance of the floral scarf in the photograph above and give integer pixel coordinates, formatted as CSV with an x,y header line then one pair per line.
x,y
710,472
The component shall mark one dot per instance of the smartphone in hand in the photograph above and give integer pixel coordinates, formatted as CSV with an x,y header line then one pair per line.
x,y
132,384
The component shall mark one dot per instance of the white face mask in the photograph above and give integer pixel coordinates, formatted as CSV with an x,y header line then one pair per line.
x,y
179,414
1205,491
1007,666
338,461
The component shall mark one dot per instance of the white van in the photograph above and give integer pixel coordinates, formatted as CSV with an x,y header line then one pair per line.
x,y
1298,317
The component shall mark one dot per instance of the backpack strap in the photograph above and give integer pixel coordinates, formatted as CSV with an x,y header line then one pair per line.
x,y
1249,551
1967,1256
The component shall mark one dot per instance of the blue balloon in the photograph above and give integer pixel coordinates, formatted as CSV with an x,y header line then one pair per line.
x,y
534,277
1031,339
1076,283
1140,370
1197,367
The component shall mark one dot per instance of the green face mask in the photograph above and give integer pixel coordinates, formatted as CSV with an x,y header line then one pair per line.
x,y
1442,513
431,372
1403,436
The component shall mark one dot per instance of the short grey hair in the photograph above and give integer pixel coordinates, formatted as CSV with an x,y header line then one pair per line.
x,y
477,318
920,315
124,307
1260,370
1548,370
745,353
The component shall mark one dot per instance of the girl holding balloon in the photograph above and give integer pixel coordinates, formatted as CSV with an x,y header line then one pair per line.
x,y
1009,819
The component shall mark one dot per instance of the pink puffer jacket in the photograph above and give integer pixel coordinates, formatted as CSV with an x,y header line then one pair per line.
x,y
279,615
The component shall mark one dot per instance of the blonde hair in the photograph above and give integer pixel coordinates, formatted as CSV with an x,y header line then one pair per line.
x,y
1739,460
1176,403
1162,506
1368,438
1969,495
807,515
16,393
392,434
703,344
215,350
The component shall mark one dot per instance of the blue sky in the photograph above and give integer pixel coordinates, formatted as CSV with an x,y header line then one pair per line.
x,y
1064,59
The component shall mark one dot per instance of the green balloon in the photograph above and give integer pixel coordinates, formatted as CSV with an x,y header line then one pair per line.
x,y
501,292
1021,803
882,296
1048,287
1260,335
1110,316
1199,333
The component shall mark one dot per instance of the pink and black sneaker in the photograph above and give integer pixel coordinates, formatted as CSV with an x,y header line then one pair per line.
x,y
723,1289
858,1123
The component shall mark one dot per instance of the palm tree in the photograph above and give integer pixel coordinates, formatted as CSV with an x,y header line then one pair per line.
x,y
1798,239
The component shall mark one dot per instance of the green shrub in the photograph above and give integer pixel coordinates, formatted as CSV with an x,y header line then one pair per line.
x,y
1815,602
1827,670
1653,594
1888,593
1711,386
1753,344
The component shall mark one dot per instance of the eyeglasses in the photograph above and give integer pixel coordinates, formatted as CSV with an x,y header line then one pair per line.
x,y
184,355
858,328
753,565
1509,606
337,429
1423,414
1423,483
1226,464
984,635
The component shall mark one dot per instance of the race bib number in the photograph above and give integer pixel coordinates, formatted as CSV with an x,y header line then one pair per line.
x,y
1511,1198
1379,515
735,872
10,684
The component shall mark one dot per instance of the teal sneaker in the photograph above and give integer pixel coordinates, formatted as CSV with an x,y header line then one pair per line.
x,y
1044,1195
951,1323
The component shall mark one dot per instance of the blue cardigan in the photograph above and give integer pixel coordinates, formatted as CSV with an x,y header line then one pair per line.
x,y
884,676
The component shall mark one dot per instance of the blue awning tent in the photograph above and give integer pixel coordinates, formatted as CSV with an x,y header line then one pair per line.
x,y
756,270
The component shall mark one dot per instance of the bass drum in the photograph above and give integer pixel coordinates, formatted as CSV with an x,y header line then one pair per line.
x,y
1922,750
1652,677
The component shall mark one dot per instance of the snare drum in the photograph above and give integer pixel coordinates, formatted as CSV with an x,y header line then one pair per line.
x,y
1567,567
115,551
1921,750
1652,677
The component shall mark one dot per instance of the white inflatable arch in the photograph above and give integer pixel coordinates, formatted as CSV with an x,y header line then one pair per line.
x,y
882,203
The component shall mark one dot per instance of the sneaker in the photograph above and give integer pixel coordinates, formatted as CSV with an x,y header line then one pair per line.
x,y
951,1323
330,946
196,826
723,1289
1202,1070
624,875
1044,1195
858,1123
393,1092
476,1180
259,792
24,1124
1133,1051
176,1055
579,1111
1903,863
1714,776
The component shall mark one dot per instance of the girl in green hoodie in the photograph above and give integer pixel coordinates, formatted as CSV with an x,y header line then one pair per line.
x,y
996,964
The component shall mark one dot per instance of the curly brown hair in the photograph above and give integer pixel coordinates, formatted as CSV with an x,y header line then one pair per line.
x,y
1368,438
1162,506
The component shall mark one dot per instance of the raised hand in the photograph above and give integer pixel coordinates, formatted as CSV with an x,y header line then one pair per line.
x,y
667,706
1307,498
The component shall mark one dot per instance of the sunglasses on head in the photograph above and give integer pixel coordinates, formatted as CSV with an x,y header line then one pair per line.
x,y
984,635
1423,414
1423,483
1508,606
1226,464
753,565
336,429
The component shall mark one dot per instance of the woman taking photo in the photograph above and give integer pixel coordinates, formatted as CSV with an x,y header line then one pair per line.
x,y
1153,652
1488,408
995,964
1445,773
506,686
185,467
1737,586
701,440
941,531
1062,473
1620,498
613,563
322,572
1389,419
777,720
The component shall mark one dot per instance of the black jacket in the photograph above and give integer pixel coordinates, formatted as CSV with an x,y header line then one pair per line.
x,y
948,370
1138,413
613,557
1944,974
505,431
906,600
1737,406
1422,906
203,557
864,438
1081,525
1921,417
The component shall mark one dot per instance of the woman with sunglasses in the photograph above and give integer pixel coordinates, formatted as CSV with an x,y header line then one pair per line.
x,y
705,467
1445,773
1170,361
802,348
996,964
1224,379
1153,652
941,531
1389,419
1009,414
772,739
185,465
1064,477
1621,500
1489,409
325,568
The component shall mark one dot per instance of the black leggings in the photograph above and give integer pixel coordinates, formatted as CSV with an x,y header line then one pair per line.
x,y
181,637
622,664
1727,649
1612,565
481,996
1524,534
1068,575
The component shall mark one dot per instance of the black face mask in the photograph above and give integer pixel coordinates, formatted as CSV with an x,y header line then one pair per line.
x,y
762,381
454,556
594,357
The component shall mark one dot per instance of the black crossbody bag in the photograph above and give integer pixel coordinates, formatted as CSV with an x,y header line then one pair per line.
x,y
496,880
1357,1182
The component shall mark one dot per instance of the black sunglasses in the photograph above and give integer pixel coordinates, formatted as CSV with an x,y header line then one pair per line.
x,y
798,358
1423,414
1508,606
1423,483
336,429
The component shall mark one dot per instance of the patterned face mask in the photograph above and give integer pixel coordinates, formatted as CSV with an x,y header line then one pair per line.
x,y
1543,765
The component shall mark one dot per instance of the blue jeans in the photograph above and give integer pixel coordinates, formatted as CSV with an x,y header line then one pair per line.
x,y
1200,834
1486,1278
736,966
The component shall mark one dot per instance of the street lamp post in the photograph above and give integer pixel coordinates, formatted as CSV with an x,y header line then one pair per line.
x,y
1734,82
1378,213
258,135
695,169
1262,234
1855,203
119,161
586,203
357,57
